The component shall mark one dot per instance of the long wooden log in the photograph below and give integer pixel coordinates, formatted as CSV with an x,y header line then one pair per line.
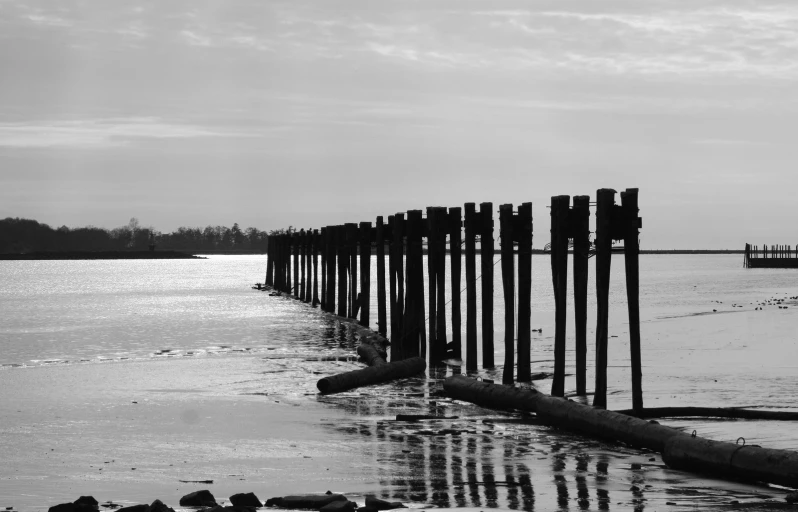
x,y
711,412
372,375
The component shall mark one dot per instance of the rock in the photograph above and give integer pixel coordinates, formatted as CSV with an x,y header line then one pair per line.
x,y
792,497
367,509
135,508
202,498
339,506
159,506
305,502
63,507
379,504
245,500
87,503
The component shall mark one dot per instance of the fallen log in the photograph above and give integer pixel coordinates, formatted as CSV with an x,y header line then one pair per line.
x,y
371,355
372,375
749,462
563,412
713,412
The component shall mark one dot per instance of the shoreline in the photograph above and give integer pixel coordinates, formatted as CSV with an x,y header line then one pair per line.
x,y
100,255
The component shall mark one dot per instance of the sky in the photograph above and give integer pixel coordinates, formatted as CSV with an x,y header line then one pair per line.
x,y
313,113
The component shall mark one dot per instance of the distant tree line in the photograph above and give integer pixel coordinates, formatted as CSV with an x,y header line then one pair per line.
x,y
26,235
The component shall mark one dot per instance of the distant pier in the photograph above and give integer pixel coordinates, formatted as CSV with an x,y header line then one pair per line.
x,y
774,256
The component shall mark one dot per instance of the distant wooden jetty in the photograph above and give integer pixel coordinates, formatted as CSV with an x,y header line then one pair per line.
x,y
774,256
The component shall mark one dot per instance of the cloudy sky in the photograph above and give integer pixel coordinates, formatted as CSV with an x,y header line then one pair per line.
x,y
270,113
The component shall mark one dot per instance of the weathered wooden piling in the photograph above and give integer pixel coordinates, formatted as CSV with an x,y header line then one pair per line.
x,y
580,230
559,273
316,253
605,201
414,329
295,264
343,267
471,229
486,259
398,283
379,240
523,235
436,354
269,280
631,244
365,272
455,218
351,246
302,250
508,286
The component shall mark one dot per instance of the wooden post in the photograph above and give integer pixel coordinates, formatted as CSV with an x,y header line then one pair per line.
x,y
580,229
302,251
295,265
631,257
441,222
365,272
398,335
432,257
486,259
524,236
395,348
343,267
351,246
455,239
379,236
559,273
414,329
309,265
508,285
269,261
329,269
605,201
471,229
316,247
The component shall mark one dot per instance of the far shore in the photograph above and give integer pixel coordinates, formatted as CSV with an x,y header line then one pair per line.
x,y
99,255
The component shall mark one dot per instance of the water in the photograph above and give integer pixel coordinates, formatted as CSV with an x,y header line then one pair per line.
x,y
177,330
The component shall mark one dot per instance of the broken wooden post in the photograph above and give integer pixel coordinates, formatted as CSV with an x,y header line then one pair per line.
x,y
365,272
523,234
580,230
471,230
631,224
379,236
486,259
559,273
605,201
455,239
343,267
508,286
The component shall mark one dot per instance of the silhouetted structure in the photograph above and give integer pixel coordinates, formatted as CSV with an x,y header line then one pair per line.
x,y
775,256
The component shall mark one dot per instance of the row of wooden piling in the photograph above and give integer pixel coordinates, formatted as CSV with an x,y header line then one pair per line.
x,y
774,256
345,251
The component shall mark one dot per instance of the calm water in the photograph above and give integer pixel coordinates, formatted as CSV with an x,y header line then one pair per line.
x,y
81,339
64,312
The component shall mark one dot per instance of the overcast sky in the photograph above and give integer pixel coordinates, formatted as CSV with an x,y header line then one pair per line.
x,y
271,113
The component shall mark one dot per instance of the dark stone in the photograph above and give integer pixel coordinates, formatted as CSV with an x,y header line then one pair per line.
x,y
379,504
245,500
135,508
305,502
202,498
159,506
87,501
63,507
367,509
339,506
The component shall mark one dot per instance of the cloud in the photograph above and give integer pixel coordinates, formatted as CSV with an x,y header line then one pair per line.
x,y
99,133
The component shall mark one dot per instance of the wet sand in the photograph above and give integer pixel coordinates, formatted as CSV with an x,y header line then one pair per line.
x,y
134,431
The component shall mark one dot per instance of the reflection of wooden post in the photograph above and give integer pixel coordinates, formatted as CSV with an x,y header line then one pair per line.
x,y
471,225
454,228
382,322
580,229
508,285
632,259
365,272
559,274
524,237
343,264
605,201
486,259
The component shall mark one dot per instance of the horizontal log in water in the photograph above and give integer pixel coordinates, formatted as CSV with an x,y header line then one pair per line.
x,y
738,460
711,412
372,375
679,449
